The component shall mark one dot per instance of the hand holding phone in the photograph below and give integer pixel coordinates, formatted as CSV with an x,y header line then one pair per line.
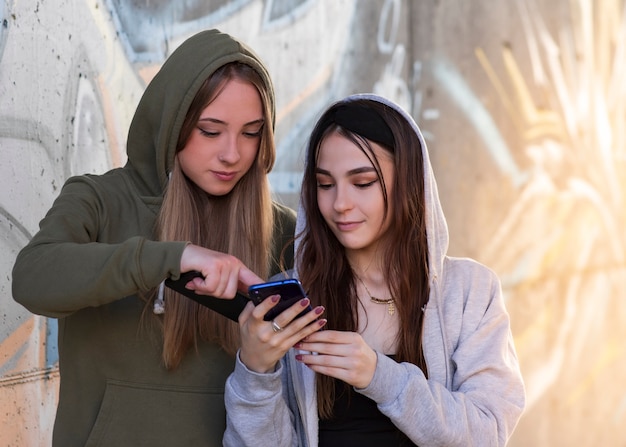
x,y
257,353
290,291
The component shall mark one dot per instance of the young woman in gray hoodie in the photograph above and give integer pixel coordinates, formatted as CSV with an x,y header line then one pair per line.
x,y
416,347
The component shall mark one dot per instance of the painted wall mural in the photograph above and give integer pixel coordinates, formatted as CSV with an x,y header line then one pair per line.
x,y
522,104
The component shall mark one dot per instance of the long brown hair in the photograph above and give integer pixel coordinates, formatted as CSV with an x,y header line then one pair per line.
x,y
326,272
239,223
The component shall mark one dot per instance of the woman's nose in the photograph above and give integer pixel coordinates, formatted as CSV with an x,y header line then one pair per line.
x,y
229,153
343,201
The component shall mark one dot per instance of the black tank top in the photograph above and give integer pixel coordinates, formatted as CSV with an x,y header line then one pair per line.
x,y
357,421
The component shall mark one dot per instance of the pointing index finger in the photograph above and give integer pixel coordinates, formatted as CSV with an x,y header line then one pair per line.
x,y
247,278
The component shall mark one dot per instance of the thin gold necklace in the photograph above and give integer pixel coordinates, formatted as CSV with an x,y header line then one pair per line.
x,y
391,308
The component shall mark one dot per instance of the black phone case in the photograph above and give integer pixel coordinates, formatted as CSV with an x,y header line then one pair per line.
x,y
229,308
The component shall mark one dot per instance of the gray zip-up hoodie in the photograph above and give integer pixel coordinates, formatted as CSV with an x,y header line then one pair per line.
x,y
474,395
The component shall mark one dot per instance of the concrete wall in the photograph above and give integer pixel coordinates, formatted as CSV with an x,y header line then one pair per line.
x,y
521,101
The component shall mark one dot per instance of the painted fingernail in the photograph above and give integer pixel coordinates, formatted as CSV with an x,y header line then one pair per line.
x,y
322,322
275,298
304,302
319,309
299,357
297,345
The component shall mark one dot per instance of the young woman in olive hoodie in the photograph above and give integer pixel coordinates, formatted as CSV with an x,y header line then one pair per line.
x,y
193,196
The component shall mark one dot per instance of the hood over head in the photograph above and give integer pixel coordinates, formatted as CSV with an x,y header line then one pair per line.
x,y
436,226
156,125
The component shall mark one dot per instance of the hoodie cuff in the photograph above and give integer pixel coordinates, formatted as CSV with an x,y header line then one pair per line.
x,y
253,386
159,259
388,381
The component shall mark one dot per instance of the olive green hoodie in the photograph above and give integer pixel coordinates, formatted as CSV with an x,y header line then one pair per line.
x,y
95,251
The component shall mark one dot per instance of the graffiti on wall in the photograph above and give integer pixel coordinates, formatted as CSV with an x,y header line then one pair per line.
x,y
546,116
532,176
67,94
562,244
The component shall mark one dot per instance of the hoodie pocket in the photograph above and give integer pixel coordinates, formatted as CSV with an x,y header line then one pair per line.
x,y
135,414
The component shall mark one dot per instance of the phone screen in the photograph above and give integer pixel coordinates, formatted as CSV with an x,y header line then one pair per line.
x,y
290,291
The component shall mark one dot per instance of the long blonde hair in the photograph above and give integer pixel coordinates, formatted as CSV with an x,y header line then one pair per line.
x,y
239,223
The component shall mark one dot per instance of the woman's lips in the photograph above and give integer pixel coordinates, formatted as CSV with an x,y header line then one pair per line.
x,y
224,176
347,226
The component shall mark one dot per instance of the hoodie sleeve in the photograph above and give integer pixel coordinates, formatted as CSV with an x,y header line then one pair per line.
x,y
257,409
486,397
90,251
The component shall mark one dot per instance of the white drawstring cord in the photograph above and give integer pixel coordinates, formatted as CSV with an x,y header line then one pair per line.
x,y
159,302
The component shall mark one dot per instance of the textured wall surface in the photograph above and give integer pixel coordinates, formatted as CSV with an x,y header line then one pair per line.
x,y
523,106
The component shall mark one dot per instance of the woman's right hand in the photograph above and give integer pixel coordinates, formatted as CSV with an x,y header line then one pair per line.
x,y
222,274
262,344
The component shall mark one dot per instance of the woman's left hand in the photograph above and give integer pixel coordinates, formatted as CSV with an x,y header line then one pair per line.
x,y
264,343
339,354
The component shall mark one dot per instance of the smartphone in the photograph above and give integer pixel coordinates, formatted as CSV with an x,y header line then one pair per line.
x,y
290,291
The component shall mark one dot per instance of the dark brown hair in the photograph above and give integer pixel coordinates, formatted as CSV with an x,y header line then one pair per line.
x,y
324,268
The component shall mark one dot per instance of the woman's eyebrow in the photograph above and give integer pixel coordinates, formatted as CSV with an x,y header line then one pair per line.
x,y
212,120
350,172
322,171
217,121
254,122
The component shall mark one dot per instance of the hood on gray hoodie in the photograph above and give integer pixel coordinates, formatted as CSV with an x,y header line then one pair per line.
x,y
436,226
